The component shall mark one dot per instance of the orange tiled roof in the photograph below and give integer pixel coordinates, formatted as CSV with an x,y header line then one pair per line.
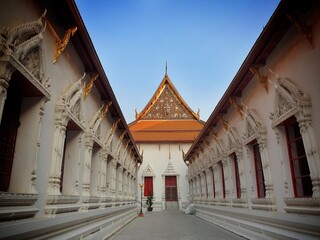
x,y
165,130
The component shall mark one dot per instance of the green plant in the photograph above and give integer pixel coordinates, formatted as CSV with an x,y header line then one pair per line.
x,y
149,202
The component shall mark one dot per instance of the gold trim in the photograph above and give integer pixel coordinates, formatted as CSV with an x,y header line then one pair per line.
x,y
239,107
262,79
127,144
166,82
115,124
62,44
122,135
224,123
89,85
105,109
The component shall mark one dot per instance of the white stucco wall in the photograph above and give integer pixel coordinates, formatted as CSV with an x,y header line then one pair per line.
x,y
158,155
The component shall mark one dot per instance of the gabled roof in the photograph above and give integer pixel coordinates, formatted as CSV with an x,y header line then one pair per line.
x,y
166,103
166,118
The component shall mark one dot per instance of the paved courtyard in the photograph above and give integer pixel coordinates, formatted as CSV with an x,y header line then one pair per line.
x,y
172,225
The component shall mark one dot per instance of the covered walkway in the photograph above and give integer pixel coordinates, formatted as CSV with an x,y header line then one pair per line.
x,y
172,225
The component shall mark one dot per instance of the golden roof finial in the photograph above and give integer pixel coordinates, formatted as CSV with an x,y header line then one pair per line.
x,y
166,68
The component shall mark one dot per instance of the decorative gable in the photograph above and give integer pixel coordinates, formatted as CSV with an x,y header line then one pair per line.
x,y
170,170
166,103
148,172
167,106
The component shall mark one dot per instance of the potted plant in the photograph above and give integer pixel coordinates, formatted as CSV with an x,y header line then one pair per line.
x,y
149,202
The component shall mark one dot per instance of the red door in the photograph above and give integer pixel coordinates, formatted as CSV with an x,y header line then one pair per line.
x,y
171,188
148,186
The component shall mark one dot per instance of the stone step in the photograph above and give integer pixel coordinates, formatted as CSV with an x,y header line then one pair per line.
x,y
172,206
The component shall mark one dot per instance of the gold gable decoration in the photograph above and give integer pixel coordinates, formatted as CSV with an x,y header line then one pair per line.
x,y
167,106
166,103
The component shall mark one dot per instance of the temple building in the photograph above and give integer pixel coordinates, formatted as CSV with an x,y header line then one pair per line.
x,y
255,167
163,131
71,167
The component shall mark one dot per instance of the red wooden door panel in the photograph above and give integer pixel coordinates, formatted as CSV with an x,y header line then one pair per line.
x,y
171,188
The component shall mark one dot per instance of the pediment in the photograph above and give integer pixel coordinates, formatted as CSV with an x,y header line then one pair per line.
x,y
148,171
166,103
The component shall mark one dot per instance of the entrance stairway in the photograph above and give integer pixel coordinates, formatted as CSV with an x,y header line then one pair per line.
x,y
172,205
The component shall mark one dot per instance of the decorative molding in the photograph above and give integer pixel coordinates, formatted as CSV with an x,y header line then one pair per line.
x,y
71,102
148,171
21,49
289,100
170,170
62,44
17,199
255,128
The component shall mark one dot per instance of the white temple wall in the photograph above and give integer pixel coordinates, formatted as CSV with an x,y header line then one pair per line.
x,y
157,156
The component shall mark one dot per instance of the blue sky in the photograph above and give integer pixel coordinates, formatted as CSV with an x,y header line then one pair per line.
x,y
203,41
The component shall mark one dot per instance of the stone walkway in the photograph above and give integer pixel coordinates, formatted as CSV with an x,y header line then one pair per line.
x,y
173,225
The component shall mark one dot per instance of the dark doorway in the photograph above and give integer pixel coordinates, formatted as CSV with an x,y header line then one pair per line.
x,y
8,134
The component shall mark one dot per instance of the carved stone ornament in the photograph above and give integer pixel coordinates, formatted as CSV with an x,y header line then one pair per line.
x,y
71,102
289,100
21,49
255,128
234,144
94,126
148,171
17,199
170,170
